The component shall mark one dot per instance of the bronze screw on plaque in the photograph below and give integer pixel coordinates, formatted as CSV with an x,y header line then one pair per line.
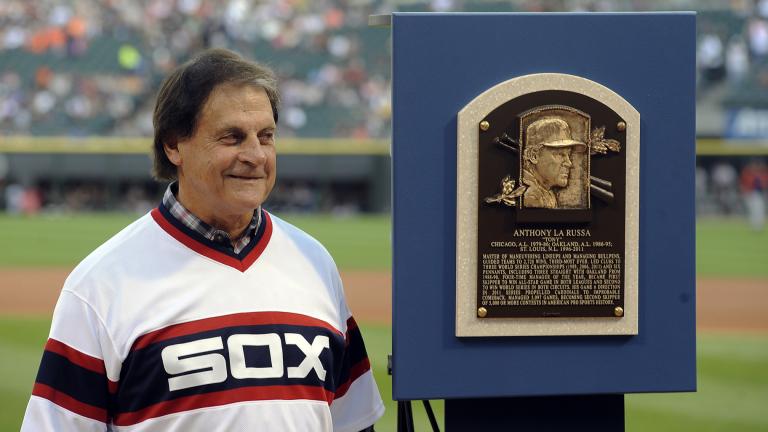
x,y
484,125
482,312
621,126
618,311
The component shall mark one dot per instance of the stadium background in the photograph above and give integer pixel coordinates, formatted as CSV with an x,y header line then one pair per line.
x,y
77,83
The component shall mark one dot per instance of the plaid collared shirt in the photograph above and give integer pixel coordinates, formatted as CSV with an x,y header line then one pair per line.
x,y
177,210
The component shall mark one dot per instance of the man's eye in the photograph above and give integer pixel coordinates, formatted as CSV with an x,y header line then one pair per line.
x,y
267,136
229,139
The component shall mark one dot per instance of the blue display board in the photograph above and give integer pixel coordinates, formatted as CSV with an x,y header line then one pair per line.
x,y
443,61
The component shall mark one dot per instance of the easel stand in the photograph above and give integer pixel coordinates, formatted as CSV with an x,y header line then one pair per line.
x,y
405,416
593,413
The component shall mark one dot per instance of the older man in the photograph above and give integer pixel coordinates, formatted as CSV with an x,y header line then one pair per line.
x,y
547,160
208,313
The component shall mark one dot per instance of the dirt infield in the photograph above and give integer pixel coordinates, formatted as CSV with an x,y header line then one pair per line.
x,y
722,305
732,305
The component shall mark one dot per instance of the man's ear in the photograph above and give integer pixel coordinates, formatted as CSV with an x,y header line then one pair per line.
x,y
171,149
533,155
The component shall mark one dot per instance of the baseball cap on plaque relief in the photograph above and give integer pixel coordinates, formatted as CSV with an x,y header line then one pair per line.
x,y
547,210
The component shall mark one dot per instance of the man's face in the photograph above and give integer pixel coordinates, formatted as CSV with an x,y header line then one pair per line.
x,y
227,167
554,165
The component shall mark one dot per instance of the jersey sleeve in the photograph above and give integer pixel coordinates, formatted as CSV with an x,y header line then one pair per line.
x,y
357,403
72,389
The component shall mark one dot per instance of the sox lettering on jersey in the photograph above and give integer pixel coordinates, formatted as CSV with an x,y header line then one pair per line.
x,y
210,362
198,363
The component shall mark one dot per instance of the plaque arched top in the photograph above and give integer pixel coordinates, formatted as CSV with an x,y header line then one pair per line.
x,y
497,95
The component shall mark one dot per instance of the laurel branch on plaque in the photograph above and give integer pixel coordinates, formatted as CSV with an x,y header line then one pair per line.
x,y
509,194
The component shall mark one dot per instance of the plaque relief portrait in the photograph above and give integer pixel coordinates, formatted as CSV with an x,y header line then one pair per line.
x,y
547,162
555,146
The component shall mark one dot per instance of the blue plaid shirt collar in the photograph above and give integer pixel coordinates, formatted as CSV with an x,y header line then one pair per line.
x,y
186,217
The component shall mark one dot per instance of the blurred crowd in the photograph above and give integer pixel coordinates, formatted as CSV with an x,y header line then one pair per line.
x,y
733,45
91,67
730,187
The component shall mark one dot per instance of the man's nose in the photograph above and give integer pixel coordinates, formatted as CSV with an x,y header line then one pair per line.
x,y
567,162
251,151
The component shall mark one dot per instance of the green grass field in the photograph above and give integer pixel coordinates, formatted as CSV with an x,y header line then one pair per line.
x,y
733,377
729,248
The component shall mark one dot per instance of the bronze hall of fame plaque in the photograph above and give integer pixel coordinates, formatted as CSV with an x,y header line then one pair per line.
x,y
547,209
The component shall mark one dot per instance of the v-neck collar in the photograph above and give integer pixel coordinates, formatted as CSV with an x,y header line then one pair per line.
x,y
200,244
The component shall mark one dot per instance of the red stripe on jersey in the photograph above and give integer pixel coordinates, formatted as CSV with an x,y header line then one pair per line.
x,y
233,320
260,246
74,356
211,253
356,372
67,402
256,393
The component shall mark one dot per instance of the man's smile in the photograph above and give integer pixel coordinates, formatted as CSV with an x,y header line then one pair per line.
x,y
246,177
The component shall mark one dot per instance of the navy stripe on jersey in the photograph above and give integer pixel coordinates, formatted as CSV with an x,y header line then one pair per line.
x,y
223,360
213,245
355,362
74,381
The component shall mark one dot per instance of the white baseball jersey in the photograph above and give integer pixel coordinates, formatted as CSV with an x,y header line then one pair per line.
x,y
160,329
